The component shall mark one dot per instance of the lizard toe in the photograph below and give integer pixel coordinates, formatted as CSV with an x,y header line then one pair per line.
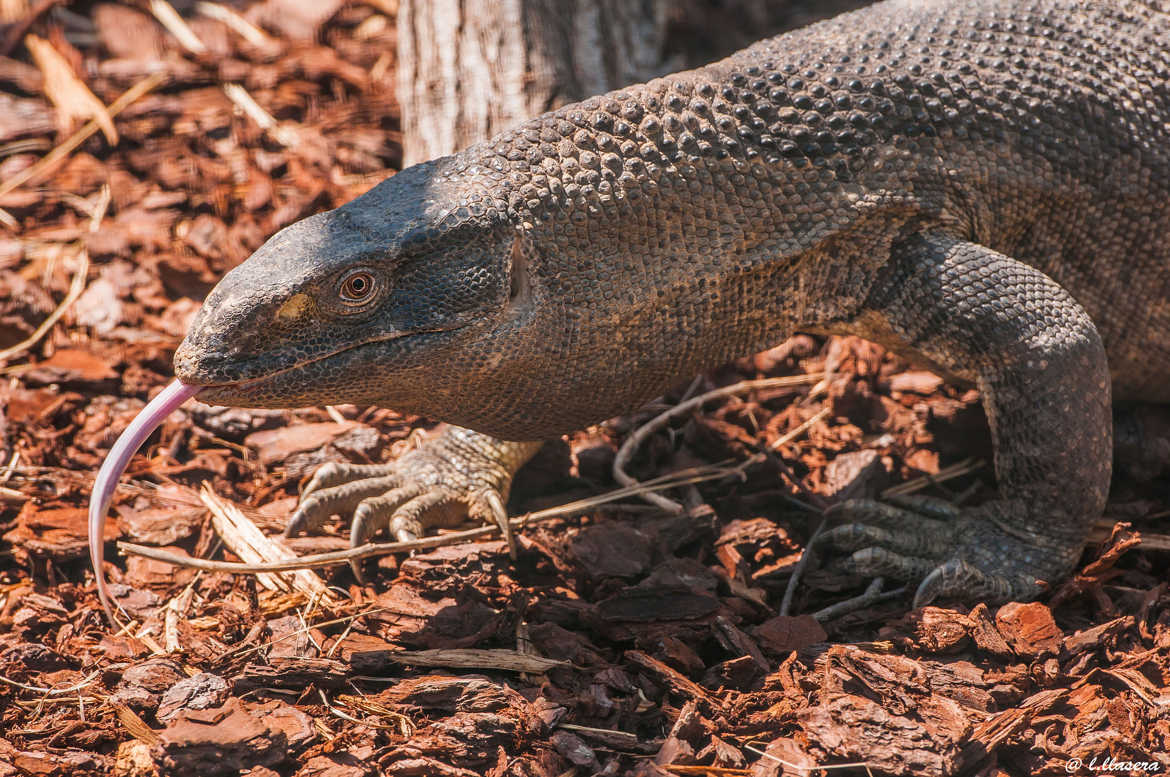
x,y
957,579
910,530
957,553
852,537
488,506
317,504
927,506
875,561
376,511
433,508
335,473
895,515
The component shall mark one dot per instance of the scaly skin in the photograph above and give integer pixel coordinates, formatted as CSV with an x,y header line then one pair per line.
x,y
981,185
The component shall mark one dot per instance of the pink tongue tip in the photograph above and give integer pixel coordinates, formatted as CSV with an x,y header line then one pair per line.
x,y
151,417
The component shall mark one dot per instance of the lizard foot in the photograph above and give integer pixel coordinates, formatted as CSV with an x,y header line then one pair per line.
x,y
454,475
960,553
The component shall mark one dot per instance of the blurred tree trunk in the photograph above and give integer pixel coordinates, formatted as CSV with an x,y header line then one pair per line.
x,y
468,69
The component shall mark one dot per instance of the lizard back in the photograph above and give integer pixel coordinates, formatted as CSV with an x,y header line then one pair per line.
x,y
697,217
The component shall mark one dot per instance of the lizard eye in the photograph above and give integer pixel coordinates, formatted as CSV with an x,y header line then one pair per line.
x,y
357,287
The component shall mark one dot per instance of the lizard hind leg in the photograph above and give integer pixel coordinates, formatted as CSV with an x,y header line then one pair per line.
x,y
1042,373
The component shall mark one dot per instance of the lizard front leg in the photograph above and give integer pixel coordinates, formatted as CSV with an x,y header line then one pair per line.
x,y
1041,369
453,475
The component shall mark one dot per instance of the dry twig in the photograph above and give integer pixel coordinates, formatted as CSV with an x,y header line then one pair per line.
x,y
471,658
58,154
370,550
642,433
958,469
75,288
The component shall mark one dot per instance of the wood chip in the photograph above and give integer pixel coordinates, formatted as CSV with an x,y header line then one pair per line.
x,y
245,539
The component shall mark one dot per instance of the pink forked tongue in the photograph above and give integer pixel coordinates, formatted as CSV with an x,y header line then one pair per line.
x,y
115,464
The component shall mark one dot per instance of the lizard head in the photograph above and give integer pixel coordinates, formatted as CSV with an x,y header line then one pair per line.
x,y
363,304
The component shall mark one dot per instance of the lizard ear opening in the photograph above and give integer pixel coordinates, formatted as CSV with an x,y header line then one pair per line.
x,y
520,288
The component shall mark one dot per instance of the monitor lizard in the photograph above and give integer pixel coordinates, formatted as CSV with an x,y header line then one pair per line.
x,y
983,186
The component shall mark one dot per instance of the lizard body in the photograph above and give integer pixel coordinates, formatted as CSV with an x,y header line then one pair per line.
x,y
982,186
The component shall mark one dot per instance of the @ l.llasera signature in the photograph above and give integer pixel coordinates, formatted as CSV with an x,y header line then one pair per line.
x,y
1111,764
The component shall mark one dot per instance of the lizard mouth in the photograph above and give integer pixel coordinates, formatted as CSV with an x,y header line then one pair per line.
x,y
244,382
295,380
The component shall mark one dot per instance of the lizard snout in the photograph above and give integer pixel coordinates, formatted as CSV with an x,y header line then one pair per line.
x,y
224,345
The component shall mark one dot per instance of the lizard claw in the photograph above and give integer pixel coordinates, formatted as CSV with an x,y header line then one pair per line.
x,y
957,578
405,510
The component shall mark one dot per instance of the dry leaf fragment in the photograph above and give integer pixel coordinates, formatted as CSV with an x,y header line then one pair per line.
x,y
66,91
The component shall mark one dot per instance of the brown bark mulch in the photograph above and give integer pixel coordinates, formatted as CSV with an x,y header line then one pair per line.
x,y
623,640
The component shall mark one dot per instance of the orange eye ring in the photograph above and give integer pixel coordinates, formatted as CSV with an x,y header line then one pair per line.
x,y
357,288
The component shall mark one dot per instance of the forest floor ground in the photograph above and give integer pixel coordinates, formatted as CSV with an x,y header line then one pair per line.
x,y
621,640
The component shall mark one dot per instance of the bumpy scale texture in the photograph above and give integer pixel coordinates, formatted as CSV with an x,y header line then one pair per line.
x,y
981,185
